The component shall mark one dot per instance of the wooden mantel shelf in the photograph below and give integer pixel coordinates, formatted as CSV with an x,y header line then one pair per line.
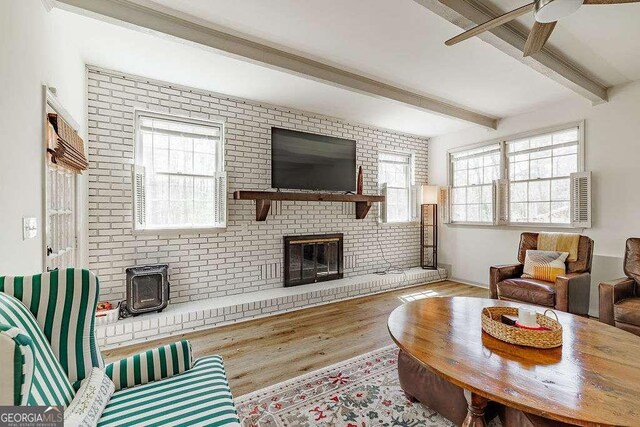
x,y
264,198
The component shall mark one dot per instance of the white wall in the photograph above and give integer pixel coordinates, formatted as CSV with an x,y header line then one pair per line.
x,y
612,153
33,52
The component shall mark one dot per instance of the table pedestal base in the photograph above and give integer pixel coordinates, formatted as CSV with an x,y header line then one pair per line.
x,y
475,416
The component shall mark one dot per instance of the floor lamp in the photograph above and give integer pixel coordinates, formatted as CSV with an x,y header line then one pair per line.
x,y
429,227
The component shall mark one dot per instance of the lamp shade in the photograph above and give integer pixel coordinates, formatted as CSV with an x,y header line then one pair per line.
x,y
429,194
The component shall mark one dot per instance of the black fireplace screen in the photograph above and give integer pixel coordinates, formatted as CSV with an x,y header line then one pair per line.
x,y
309,259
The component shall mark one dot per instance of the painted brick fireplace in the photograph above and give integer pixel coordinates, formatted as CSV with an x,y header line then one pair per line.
x,y
246,257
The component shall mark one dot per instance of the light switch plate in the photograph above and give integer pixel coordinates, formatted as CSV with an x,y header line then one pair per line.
x,y
29,228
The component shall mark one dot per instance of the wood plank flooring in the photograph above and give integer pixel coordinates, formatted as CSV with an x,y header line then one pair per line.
x,y
262,352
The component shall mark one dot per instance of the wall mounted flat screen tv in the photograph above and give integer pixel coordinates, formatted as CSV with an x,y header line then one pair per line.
x,y
306,161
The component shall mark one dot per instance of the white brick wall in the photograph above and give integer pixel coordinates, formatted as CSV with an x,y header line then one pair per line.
x,y
240,259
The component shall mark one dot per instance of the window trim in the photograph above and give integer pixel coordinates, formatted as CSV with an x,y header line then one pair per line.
x,y
411,183
504,173
502,168
220,163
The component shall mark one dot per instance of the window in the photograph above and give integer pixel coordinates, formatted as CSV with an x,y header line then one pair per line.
x,y
533,179
540,168
179,180
472,174
395,175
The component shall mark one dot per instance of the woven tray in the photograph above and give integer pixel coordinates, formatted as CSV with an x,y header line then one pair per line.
x,y
492,325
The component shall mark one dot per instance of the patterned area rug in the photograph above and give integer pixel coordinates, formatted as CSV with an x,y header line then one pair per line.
x,y
359,392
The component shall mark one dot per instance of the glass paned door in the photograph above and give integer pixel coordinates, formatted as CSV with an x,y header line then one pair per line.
x,y
333,257
61,217
323,259
295,262
308,261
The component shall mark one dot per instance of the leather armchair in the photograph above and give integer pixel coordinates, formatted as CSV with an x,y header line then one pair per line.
x,y
569,293
620,299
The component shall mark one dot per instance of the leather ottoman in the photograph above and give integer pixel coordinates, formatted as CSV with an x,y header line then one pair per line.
x,y
421,384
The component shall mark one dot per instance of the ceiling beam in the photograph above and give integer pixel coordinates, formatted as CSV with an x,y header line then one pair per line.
x,y
511,38
179,26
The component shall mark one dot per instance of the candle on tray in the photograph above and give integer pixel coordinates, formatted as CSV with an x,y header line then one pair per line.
x,y
527,317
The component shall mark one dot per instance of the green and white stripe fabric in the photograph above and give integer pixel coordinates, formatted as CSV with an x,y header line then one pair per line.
x,y
197,397
50,385
55,310
152,365
63,302
16,366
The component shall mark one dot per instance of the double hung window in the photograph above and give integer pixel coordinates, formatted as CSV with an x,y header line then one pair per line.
x,y
533,179
395,175
179,177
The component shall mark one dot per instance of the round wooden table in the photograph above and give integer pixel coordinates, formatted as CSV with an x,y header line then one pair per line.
x,y
593,379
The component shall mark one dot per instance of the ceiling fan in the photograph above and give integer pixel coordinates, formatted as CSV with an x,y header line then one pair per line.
x,y
546,14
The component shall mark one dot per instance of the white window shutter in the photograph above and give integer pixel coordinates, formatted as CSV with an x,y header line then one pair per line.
x,y
444,204
415,203
501,202
581,199
220,215
383,206
139,197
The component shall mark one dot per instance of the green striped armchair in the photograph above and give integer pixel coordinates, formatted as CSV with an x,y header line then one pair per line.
x,y
48,343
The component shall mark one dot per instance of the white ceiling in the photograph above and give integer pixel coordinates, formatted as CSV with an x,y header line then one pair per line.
x,y
129,51
398,42
603,39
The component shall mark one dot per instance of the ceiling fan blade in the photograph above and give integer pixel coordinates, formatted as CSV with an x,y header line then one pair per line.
x,y
610,1
495,22
538,37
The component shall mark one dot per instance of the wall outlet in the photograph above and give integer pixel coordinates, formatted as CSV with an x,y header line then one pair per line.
x,y
29,228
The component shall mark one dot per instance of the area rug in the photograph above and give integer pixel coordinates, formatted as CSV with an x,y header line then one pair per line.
x,y
359,392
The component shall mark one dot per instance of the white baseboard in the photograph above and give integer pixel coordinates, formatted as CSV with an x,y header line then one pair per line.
x,y
469,282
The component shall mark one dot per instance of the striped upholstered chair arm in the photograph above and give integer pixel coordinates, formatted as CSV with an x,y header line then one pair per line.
x,y
63,302
152,365
49,384
17,366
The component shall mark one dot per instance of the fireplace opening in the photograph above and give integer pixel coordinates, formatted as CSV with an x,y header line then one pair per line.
x,y
312,258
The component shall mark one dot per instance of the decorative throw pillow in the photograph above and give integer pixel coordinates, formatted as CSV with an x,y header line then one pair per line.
x,y
87,406
544,265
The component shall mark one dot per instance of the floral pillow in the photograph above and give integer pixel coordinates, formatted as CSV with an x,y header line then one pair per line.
x,y
87,406
544,265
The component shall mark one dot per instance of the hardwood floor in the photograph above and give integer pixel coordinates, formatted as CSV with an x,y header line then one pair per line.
x,y
262,352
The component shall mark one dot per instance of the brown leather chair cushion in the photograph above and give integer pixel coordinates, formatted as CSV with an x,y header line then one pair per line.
x,y
627,311
531,291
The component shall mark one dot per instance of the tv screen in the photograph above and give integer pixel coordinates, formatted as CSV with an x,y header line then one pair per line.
x,y
306,161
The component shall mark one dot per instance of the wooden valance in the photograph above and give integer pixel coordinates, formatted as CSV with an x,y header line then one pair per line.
x,y
65,145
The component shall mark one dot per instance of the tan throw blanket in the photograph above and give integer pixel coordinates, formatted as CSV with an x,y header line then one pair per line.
x,y
560,242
